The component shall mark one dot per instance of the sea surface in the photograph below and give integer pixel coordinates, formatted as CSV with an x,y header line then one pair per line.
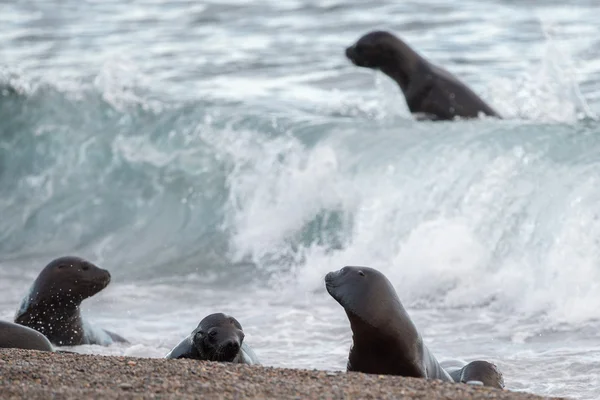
x,y
223,156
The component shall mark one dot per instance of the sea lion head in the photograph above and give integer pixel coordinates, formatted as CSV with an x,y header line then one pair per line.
x,y
483,371
218,337
66,282
384,51
367,296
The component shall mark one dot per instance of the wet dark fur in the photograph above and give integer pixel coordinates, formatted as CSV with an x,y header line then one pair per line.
x,y
430,91
384,339
15,336
482,371
52,306
218,337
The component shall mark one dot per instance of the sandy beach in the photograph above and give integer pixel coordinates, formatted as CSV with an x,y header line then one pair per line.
x,y
41,375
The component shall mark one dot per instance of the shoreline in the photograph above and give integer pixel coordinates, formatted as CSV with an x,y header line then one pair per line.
x,y
41,375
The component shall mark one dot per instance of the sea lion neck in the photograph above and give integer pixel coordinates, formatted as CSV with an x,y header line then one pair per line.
x,y
395,326
394,348
60,324
57,300
60,311
400,70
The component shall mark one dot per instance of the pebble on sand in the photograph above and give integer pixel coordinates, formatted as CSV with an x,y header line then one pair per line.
x,y
41,375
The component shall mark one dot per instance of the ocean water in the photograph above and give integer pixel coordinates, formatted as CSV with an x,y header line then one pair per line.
x,y
223,156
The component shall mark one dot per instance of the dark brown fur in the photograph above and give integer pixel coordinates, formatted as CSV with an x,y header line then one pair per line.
x,y
15,336
218,337
482,371
385,341
52,306
429,90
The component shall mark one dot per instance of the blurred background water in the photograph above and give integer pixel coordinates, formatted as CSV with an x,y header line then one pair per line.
x,y
223,156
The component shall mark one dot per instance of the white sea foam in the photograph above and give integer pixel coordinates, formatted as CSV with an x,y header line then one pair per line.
x,y
224,157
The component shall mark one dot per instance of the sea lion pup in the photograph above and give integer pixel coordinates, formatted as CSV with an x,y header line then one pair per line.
x,y
15,336
482,371
218,337
52,305
385,341
431,92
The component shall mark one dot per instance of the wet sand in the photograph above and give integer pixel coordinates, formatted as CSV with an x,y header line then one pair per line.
x,y
42,375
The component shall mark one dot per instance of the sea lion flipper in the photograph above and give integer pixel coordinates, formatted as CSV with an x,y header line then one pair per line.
x,y
455,374
183,349
433,369
116,337
248,355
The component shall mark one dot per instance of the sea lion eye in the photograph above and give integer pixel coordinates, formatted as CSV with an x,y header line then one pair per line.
x,y
361,273
85,267
61,266
212,334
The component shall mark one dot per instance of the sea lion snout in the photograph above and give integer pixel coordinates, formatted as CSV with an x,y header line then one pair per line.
x,y
358,58
330,278
351,52
228,349
106,277
231,347
335,281
98,276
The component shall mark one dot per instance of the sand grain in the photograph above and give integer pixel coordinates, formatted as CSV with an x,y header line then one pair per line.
x,y
40,375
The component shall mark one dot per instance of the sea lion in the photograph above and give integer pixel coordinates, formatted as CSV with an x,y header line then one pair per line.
x,y
384,339
52,304
482,371
15,336
218,337
431,92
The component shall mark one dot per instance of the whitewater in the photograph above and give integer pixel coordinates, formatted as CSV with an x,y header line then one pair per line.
x,y
224,156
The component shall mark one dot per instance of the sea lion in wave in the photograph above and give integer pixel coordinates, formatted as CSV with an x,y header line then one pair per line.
x,y
52,305
218,337
431,92
384,339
